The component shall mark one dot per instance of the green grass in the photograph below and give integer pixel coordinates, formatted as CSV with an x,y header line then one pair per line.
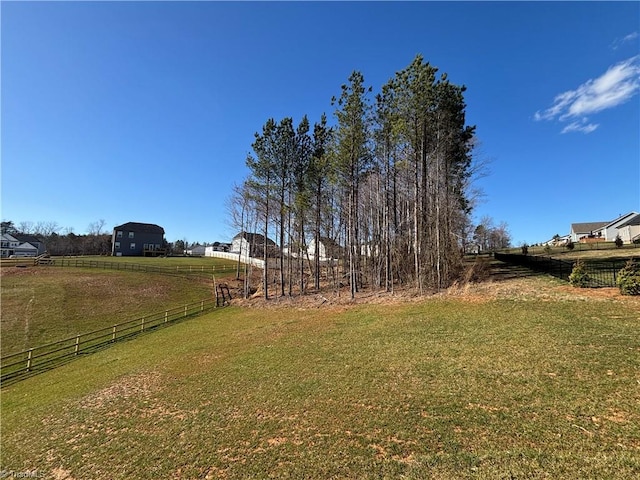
x,y
160,261
601,250
45,304
181,265
446,388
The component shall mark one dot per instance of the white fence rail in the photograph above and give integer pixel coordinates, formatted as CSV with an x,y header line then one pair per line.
x,y
244,258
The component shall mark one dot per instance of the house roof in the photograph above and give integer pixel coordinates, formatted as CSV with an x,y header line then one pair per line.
x,y
329,243
140,227
27,238
634,220
587,227
623,219
254,238
9,238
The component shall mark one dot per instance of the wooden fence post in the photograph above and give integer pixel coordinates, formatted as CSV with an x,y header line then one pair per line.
x,y
166,316
29,357
185,310
113,335
215,289
142,327
77,345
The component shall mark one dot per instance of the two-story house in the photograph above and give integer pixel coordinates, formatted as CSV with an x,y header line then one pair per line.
x,y
137,239
252,245
19,245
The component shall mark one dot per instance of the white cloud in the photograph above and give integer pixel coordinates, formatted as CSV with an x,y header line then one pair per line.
x,y
618,42
580,127
614,87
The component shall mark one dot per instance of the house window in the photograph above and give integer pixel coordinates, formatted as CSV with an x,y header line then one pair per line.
x,y
132,246
117,245
119,234
131,234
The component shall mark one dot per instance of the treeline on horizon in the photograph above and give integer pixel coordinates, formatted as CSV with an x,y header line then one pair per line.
x,y
390,185
61,241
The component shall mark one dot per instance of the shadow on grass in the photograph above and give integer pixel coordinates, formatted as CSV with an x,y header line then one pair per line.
x,y
8,379
501,271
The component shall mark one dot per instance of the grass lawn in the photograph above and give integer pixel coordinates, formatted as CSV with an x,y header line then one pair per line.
x,y
161,261
45,304
534,380
585,251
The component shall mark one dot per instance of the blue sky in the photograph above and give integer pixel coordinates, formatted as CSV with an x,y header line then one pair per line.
x,y
145,111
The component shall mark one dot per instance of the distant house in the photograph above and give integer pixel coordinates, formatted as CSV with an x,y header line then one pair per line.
x,y
8,244
216,247
32,240
558,241
220,247
583,231
626,226
472,248
137,239
196,250
612,229
252,245
328,249
19,245
629,230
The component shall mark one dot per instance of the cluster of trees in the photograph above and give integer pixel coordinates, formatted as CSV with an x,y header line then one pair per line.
x,y
489,237
61,241
390,182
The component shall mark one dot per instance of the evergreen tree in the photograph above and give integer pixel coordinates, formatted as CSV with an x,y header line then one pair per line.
x,y
353,157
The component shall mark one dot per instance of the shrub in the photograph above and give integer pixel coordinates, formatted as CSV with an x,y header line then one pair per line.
x,y
525,249
618,241
629,279
547,249
579,276
570,245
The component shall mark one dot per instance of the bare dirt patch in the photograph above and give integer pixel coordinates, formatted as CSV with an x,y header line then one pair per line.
x,y
140,385
499,281
15,271
329,299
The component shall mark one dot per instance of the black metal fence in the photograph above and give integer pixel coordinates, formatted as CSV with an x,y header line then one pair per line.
x,y
602,273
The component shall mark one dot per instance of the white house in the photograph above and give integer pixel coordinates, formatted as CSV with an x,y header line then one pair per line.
x,y
629,231
9,244
25,249
557,241
625,225
586,230
220,247
251,245
196,250
327,249
612,229
19,246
